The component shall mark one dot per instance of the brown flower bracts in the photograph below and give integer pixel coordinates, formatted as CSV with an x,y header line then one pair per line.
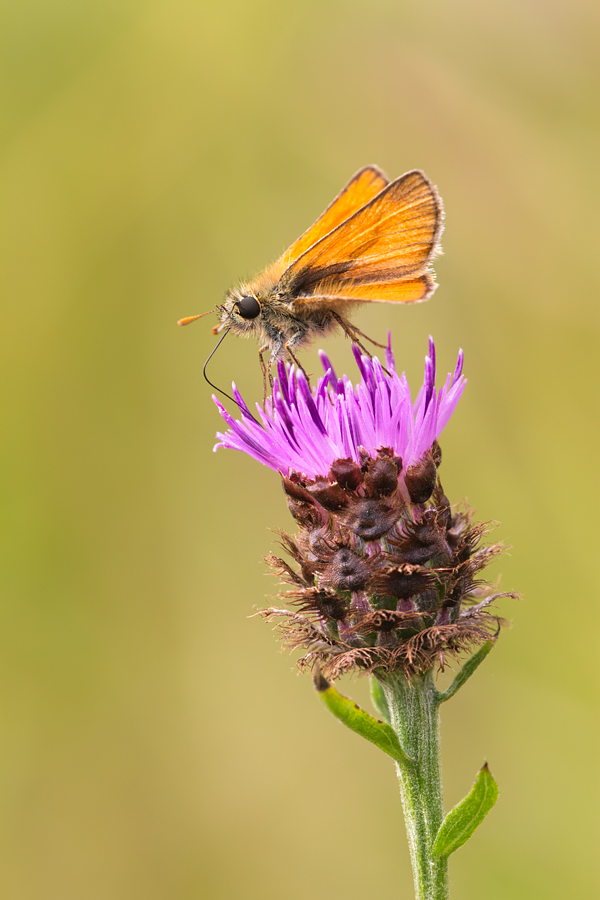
x,y
386,573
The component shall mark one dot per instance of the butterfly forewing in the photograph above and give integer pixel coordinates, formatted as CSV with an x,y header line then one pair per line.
x,y
361,188
391,239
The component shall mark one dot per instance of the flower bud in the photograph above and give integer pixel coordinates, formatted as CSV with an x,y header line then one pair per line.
x,y
420,479
347,474
381,478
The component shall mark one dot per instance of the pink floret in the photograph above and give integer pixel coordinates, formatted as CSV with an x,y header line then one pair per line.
x,y
304,430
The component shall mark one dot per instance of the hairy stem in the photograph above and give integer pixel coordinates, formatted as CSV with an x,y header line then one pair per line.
x,y
414,716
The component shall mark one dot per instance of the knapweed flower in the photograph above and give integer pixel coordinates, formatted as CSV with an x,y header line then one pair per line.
x,y
386,570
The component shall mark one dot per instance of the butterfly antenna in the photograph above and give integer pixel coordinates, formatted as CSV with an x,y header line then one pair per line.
x,y
229,397
189,319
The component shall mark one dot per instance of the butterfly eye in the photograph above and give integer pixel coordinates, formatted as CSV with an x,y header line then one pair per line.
x,y
248,307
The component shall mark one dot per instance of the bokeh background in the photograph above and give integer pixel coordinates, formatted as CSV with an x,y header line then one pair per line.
x,y
153,741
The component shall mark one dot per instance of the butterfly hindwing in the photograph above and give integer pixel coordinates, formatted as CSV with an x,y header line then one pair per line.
x,y
334,290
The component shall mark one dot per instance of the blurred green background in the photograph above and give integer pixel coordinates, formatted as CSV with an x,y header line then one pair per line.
x,y
153,741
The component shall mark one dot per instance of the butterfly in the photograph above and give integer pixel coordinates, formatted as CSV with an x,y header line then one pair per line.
x,y
373,244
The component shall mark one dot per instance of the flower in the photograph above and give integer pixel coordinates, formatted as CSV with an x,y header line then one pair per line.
x,y
386,575
305,431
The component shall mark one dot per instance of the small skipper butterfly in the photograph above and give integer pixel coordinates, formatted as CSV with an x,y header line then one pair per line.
x,y
373,244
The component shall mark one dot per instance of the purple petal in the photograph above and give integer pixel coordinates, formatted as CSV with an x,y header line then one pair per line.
x,y
459,367
306,429
390,362
327,365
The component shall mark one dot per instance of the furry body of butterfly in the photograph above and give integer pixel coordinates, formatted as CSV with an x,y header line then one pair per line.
x,y
374,243
279,326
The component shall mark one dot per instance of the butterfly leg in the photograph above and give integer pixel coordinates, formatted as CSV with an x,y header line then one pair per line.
x,y
265,372
352,332
367,338
288,348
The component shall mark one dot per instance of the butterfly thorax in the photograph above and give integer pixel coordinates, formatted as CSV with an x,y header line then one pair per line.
x,y
278,320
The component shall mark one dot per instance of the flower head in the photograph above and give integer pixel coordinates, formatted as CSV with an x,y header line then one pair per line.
x,y
306,430
386,574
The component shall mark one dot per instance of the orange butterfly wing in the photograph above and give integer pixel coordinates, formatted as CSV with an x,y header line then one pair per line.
x,y
410,290
380,253
362,187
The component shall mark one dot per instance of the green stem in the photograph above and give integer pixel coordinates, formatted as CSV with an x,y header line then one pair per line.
x,y
414,715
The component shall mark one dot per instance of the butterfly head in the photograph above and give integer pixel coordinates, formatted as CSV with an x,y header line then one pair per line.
x,y
241,311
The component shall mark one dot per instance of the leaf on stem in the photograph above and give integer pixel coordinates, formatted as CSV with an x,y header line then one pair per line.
x,y
461,822
347,711
379,699
467,670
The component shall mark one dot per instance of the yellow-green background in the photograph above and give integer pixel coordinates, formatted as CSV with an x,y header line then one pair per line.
x,y
154,743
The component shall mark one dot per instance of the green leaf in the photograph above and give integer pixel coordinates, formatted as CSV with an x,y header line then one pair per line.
x,y
347,711
467,670
379,700
461,822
